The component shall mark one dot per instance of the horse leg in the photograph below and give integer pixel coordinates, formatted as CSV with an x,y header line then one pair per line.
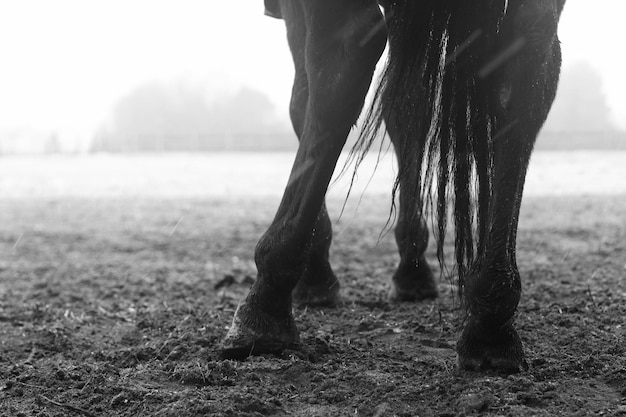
x,y
340,55
413,279
523,90
318,285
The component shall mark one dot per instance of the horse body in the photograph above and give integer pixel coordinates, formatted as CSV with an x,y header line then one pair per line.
x,y
464,93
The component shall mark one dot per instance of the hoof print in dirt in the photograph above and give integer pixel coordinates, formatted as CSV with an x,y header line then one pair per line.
x,y
256,333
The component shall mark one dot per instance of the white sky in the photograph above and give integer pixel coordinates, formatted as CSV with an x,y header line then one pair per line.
x,y
64,63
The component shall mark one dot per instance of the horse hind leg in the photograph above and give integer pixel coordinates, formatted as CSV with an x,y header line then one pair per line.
x,y
523,88
339,67
318,285
413,280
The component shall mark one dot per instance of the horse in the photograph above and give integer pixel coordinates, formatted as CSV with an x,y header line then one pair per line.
x,y
465,89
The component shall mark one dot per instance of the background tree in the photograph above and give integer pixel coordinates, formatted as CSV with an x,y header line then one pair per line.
x,y
157,117
580,105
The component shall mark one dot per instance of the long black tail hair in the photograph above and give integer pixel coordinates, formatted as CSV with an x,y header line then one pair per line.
x,y
436,95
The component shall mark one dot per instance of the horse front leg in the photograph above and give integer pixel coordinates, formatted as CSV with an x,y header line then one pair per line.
x,y
339,67
318,285
524,90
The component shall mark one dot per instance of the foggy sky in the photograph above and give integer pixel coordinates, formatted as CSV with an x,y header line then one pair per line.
x,y
65,63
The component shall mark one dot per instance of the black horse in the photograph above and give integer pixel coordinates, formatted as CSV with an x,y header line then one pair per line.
x,y
465,91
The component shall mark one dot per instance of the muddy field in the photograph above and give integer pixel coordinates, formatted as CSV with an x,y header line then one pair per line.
x,y
115,307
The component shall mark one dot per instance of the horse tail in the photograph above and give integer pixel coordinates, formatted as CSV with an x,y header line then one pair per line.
x,y
435,94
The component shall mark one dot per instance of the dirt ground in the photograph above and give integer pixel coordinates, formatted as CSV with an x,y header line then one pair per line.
x,y
116,308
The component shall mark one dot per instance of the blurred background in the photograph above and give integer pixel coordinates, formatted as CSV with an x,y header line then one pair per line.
x,y
153,75
87,78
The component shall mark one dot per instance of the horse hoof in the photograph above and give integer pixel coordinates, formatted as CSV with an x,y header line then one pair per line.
x,y
496,364
500,351
254,332
413,285
399,294
317,295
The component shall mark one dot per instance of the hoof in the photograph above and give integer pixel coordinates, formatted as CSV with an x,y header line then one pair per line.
x,y
325,294
254,332
500,350
401,294
415,284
